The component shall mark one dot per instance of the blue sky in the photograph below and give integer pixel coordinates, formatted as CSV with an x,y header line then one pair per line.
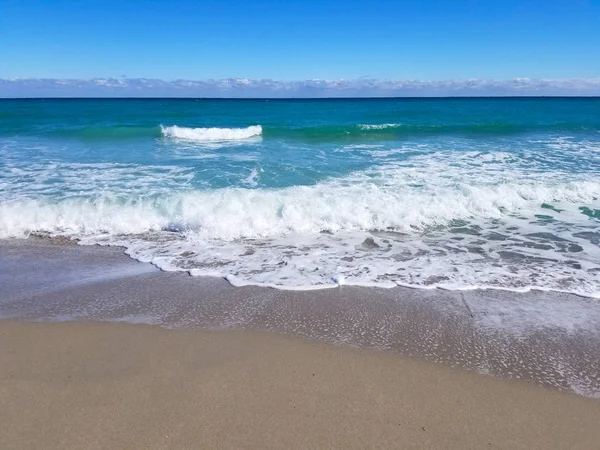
x,y
294,40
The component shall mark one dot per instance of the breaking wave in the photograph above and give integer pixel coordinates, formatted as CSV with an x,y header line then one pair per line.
x,y
518,234
211,134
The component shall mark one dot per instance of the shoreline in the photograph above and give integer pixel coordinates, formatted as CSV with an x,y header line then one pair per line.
x,y
115,385
59,240
550,339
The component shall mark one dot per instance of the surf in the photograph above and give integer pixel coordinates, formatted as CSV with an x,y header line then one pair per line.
x,y
211,134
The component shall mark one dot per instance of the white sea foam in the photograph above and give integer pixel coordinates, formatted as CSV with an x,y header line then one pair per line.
x,y
382,126
211,134
252,179
275,237
237,213
35,179
427,221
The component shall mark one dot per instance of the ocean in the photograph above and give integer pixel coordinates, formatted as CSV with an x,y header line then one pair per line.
x,y
494,193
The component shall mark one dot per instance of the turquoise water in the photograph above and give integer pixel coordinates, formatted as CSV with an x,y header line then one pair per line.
x,y
298,194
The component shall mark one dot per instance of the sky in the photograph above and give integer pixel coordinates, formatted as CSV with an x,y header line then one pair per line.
x,y
299,47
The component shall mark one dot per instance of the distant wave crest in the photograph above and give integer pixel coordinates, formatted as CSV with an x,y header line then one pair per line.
x,y
211,134
382,126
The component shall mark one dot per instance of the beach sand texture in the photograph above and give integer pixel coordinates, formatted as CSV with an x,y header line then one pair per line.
x,y
109,386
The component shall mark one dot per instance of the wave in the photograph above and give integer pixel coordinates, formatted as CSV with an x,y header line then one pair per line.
x,y
240,213
520,234
399,131
311,134
211,134
382,126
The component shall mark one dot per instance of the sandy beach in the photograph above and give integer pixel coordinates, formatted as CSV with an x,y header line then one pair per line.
x,y
100,351
92,386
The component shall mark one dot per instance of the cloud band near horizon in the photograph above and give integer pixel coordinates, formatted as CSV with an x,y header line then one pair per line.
x,y
245,88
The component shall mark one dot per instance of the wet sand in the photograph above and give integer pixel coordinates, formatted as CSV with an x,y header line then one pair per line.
x,y
549,339
107,385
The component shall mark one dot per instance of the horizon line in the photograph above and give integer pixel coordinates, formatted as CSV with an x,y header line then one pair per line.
x,y
406,97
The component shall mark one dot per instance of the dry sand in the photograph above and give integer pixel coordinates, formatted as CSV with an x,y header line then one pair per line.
x,y
119,386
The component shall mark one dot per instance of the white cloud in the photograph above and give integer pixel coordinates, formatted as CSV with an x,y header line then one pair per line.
x,y
242,87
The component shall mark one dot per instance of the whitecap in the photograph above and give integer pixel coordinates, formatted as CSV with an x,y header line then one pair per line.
x,y
211,134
